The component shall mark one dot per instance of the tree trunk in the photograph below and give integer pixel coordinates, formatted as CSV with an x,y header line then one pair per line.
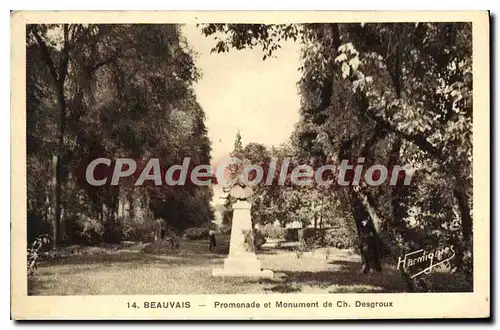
x,y
465,213
58,77
321,214
410,287
367,222
369,241
55,201
394,192
59,164
396,222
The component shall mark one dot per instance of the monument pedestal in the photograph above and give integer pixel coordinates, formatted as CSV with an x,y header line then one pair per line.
x,y
242,260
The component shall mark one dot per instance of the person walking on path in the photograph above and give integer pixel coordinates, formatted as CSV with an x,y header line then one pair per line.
x,y
212,241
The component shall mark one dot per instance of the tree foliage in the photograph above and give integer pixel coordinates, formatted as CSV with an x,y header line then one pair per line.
x,y
393,94
120,90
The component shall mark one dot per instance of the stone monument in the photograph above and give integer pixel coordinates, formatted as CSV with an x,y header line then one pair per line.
x,y
242,260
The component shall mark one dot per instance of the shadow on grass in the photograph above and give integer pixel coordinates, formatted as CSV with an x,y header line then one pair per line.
x,y
346,278
288,248
283,288
82,259
36,284
189,254
336,276
439,281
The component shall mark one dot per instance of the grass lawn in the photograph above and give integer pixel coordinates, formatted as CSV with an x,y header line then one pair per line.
x,y
129,271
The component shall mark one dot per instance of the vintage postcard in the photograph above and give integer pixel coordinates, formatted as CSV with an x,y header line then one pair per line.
x,y
250,165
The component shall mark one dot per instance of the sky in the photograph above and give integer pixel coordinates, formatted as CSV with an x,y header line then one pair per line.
x,y
238,90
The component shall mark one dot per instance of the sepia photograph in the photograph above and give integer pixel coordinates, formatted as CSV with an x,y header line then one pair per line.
x,y
213,157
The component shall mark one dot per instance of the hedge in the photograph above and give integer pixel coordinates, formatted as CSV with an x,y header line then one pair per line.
x,y
195,233
292,234
332,237
271,231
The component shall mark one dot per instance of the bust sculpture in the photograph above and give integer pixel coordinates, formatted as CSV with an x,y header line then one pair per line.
x,y
241,260
240,191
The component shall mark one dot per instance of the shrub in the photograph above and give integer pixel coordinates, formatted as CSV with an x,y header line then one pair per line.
x,y
138,230
161,247
34,252
340,238
225,229
113,231
37,225
292,234
195,233
271,231
90,230
222,241
311,236
306,233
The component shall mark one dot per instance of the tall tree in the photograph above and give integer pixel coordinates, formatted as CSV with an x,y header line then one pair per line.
x,y
388,93
112,91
